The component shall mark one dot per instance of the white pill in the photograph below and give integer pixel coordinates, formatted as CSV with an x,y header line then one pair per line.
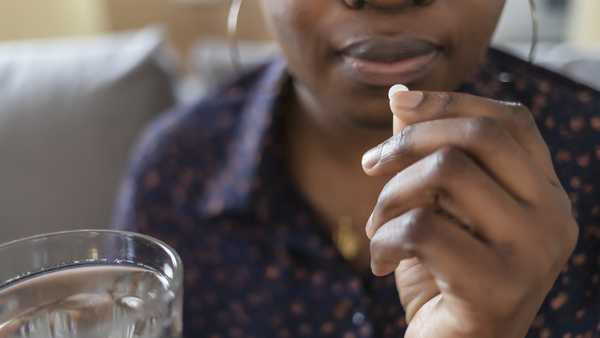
x,y
396,89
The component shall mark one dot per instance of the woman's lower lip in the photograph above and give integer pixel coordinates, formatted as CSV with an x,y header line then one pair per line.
x,y
389,73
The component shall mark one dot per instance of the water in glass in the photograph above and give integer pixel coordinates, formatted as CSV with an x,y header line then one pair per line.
x,y
97,301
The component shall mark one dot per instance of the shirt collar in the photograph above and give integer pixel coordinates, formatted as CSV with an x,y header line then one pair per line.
x,y
238,181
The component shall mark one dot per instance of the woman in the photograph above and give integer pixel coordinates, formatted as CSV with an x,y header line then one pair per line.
x,y
260,188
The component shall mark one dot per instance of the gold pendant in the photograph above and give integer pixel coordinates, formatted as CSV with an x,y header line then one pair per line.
x,y
346,239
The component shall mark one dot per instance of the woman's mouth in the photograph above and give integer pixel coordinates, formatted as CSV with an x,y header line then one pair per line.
x,y
384,61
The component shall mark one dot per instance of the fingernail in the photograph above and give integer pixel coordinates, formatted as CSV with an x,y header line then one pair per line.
x,y
408,100
371,158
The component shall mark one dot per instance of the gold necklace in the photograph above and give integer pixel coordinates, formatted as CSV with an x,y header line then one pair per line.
x,y
346,239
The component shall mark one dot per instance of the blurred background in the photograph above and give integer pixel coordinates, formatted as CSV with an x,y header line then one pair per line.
x,y
188,20
195,30
79,79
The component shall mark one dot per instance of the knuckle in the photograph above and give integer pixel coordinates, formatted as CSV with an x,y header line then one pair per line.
x,y
387,148
398,144
487,134
405,134
382,250
386,249
387,205
408,233
445,101
484,128
521,115
448,162
385,198
417,228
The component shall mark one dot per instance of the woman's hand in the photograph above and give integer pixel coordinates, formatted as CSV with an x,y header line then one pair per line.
x,y
474,222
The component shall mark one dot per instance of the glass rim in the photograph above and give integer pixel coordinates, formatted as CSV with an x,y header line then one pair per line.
x,y
173,257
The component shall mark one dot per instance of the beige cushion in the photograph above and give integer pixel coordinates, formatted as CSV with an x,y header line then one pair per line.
x,y
69,113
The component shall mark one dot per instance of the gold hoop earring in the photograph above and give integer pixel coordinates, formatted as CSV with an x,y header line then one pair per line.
x,y
535,30
232,27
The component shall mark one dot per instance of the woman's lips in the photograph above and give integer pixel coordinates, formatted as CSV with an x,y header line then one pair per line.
x,y
384,61
378,73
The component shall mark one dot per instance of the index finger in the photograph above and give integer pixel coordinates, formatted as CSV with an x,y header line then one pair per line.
x,y
412,107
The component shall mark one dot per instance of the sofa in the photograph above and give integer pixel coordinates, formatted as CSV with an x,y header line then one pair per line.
x,y
70,111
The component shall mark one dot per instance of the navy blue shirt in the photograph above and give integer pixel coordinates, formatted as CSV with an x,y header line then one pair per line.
x,y
211,181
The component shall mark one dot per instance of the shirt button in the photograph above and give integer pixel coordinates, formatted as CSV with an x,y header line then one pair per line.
x,y
358,319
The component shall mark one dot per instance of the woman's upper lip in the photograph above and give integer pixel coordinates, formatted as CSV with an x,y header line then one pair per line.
x,y
388,48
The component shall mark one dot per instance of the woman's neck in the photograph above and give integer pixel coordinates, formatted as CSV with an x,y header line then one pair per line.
x,y
332,132
324,160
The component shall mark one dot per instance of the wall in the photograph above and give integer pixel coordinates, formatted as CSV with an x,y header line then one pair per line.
x,y
585,23
22,19
187,20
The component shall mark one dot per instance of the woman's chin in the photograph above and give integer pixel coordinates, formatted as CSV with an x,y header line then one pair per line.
x,y
374,124
380,120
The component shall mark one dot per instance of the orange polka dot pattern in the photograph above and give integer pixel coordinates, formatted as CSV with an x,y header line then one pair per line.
x,y
209,180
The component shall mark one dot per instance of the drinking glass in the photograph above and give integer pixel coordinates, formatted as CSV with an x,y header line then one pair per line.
x,y
90,284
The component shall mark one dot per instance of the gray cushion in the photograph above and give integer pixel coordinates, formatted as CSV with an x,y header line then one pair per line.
x,y
210,64
69,112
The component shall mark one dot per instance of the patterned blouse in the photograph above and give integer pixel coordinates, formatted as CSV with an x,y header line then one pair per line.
x,y
210,180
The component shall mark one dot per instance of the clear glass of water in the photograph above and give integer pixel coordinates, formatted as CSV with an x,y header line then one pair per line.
x,y
90,284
